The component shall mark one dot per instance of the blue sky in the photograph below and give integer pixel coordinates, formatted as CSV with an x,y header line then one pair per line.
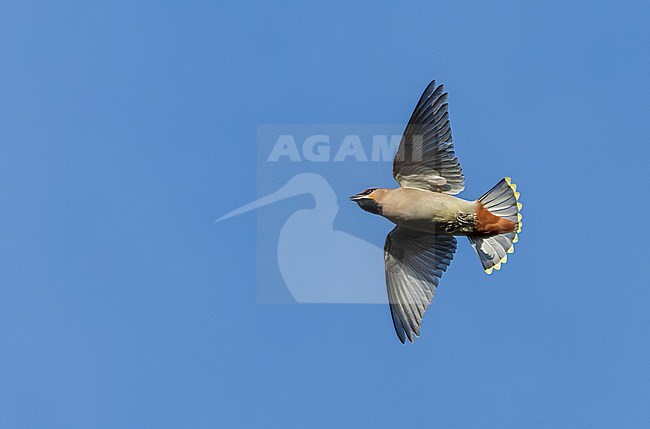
x,y
126,129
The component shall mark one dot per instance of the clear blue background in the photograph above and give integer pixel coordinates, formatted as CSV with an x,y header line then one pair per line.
x,y
127,128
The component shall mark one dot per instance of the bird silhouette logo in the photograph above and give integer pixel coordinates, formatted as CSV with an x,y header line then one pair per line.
x,y
310,255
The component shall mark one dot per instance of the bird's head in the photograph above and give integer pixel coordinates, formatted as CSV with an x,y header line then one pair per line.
x,y
370,199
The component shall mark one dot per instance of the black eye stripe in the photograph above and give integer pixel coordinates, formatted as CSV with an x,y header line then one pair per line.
x,y
368,191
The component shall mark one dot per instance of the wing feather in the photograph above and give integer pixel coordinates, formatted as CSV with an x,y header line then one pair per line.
x,y
414,263
425,158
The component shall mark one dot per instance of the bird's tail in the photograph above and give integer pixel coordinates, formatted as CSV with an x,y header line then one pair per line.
x,y
503,201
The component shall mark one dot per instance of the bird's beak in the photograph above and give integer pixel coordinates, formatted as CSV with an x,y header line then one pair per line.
x,y
359,197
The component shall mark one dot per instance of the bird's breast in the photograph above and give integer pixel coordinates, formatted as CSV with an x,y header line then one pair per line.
x,y
430,211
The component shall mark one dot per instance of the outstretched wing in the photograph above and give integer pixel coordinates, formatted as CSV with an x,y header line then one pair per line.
x,y
425,158
414,263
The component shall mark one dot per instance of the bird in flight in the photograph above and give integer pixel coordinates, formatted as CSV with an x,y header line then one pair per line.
x,y
428,217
